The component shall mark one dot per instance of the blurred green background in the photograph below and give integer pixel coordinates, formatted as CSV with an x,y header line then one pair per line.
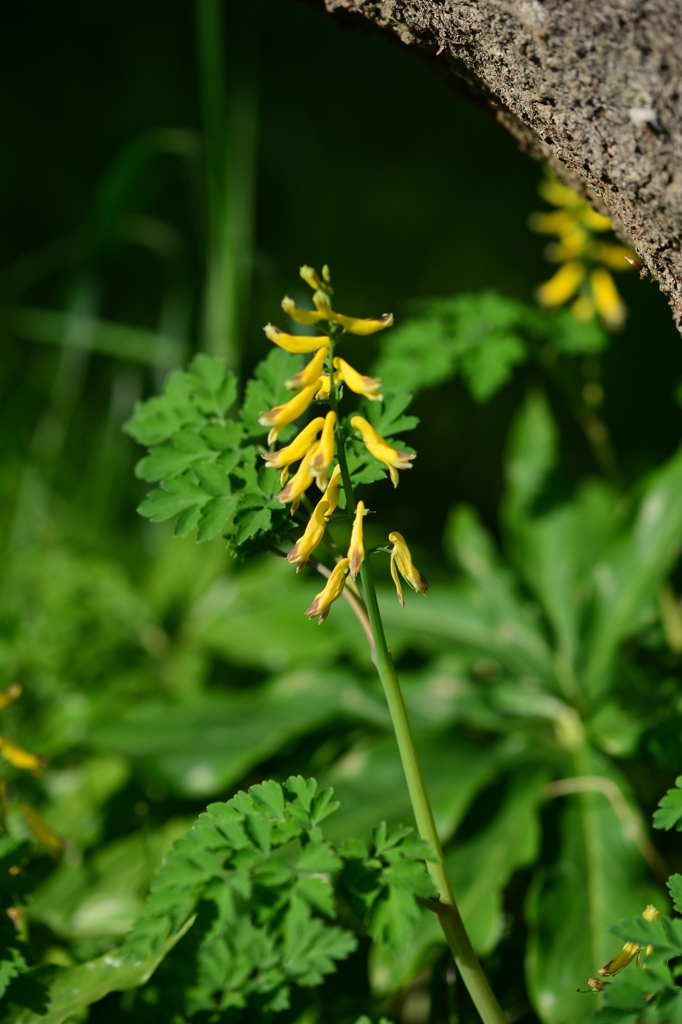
x,y
342,149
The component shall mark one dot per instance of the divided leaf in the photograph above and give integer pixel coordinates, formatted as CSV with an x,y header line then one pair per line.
x,y
669,813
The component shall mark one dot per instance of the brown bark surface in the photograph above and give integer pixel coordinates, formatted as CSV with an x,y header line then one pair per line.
x,y
593,86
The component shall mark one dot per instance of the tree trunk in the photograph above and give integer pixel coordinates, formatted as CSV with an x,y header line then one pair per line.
x,y
592,86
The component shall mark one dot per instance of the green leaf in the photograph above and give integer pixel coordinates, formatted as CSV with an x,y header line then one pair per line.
x,y
166,462
675,887
669,813
158,418
12,964
250,523
214,515
488,367
177,496
214,388
266,388
387,417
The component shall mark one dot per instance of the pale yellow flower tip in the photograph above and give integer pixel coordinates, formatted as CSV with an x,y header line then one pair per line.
x,y
333,590
333,490
392,458
310,374
301,316
9,695
562,286
298,447
323,394
356,551
621,960
608,302
310,277
583,309
401,561
18,757
650,913
282,415
324,455
293,342
314,532
370,387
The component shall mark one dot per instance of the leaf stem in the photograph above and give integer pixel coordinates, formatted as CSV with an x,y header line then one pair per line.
x,y
446,908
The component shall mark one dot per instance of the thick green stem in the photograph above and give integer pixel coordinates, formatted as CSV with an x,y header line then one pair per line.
x,y
446,908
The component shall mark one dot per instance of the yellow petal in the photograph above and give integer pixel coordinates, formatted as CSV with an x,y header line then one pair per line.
x,y
298,447
367,386
356,551
595,221
314,532
626,955
333,590
615,257
553,223
19,757
299,483
323,394
403,561
583,309
333,490
562,286
396,580
310,277
553,192
610,306
293,342
381,450
324,456
282,415
310,374
301,316
353,324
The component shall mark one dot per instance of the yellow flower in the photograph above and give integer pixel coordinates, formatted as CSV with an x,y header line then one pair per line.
x,y
595,221
300,481
294,343
333,490
610,306
381,449
615,257
629,950
367,386
310,277
401,561
9,695
333,590
650,913
301,316
324,455
353,324
310,374
553,192
279,417
19,757
314,532
283,458
356,551
323,394
562,286
583,309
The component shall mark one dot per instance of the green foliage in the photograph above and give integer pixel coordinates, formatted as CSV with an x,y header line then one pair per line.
x,y
669,813
211,478
482,337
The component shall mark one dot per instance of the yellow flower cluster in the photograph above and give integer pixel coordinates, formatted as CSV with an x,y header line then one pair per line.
x,y
315,446
586,260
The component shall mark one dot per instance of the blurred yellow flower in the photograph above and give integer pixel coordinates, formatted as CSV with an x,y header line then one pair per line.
x,y
333,590
356,551
582,256
314,532
381,449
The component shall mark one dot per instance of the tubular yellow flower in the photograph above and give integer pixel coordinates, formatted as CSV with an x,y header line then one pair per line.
x,y
310,277
324,455
19,757
595,221
294,343
610,306
310,374
283,458
301,316
299,483
367,386
401,561
333,490
381,449
353,324
356,551
629,950
556,194
314,532
279,417
323,394
615,257
562,286
333,590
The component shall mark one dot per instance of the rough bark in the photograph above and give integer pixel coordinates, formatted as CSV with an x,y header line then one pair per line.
x,y
593,86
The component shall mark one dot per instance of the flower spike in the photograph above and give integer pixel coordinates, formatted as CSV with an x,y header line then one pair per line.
x,y
381,449
310,374
299,483
314,532
401,561
322,460
293,342
280,417
283,458
333,490
333,590
356,551
301,316
367,386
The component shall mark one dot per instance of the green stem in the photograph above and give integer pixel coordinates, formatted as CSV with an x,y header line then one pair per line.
x,y
446,908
